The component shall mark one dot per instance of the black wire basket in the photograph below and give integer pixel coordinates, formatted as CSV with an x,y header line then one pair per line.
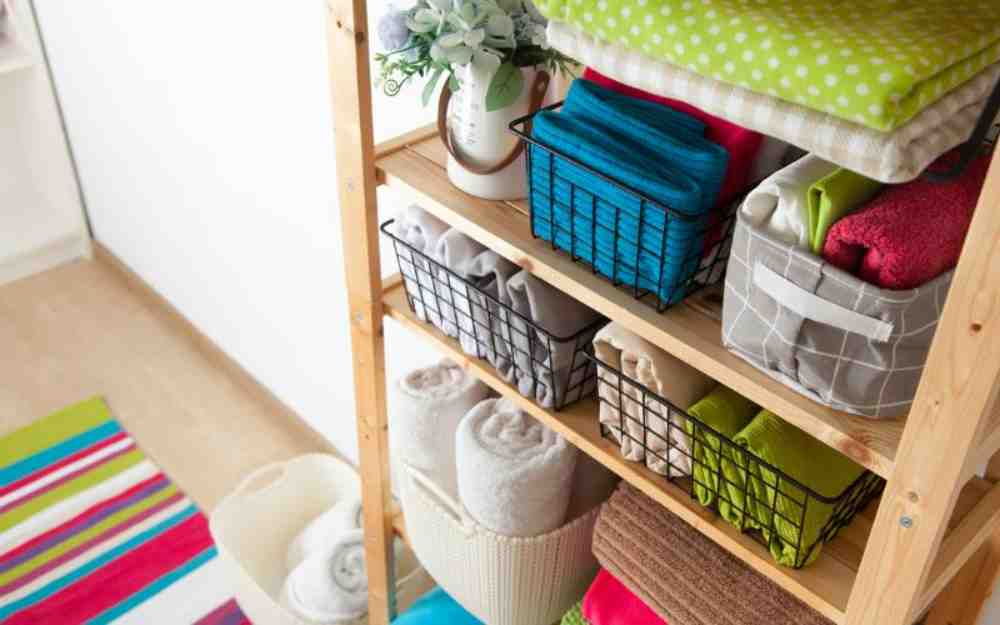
x,y
658,254
753,495
553,370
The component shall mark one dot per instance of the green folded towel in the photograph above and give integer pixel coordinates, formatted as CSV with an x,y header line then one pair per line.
x,y
727,412
809,462
574,616
833,197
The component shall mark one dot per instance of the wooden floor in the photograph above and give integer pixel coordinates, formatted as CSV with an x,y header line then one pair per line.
x,y
90,328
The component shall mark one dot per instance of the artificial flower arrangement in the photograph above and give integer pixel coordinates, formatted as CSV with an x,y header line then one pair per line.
x,y
436,37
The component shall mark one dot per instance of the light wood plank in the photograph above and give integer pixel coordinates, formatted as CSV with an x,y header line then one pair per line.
x,y
405,140
959,546
355,149
956,396
685,333
961,603
824,585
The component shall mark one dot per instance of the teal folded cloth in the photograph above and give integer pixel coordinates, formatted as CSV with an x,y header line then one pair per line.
x,y
791,520
676,138
435,608
645,147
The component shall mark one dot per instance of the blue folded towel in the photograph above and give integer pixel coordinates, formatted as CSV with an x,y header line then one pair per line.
x,y
435,608
646,148
676,138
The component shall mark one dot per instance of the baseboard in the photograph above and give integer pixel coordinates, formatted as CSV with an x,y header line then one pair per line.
x,y
207,347
58,252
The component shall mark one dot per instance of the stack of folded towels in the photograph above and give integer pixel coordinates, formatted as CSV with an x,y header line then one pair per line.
x,y
657,569
882,91
752,496
896,237
495,309
672,443
644,146
511,474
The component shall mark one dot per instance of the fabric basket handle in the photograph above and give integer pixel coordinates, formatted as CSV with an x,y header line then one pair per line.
x,y
538,89
810,306
454,508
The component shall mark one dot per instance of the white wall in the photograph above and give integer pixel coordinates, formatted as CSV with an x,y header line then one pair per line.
x,y
204,142
41,218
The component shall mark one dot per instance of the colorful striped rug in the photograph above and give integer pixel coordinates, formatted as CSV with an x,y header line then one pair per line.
x,y
92,532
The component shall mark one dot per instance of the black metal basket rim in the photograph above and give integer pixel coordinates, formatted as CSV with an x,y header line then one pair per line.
x,y
386,230
784,476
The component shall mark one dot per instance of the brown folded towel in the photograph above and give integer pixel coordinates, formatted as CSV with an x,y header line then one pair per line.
x,y
682,575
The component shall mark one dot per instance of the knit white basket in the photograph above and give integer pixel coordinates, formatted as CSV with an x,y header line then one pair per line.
x,y
254,526
499,579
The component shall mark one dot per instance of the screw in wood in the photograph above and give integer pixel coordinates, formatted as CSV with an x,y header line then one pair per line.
x,y
906,522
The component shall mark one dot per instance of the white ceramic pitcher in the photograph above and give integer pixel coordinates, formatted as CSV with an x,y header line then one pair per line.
x,y
485,159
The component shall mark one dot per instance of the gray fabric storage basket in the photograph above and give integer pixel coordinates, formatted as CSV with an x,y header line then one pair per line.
x,y
823,332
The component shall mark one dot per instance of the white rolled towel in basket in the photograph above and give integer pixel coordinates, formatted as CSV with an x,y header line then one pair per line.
x,y
426,406
515,475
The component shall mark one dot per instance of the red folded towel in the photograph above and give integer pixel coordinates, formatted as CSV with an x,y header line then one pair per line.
x,y
609,602
908,234
741,143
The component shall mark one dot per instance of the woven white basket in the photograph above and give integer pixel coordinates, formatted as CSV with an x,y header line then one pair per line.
x,y
256,523
499,579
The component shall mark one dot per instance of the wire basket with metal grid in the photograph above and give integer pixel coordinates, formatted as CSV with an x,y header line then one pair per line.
x,y
761,500
658,254
553,370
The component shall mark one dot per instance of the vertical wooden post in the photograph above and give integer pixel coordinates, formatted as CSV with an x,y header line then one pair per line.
x,y
350,83
956,395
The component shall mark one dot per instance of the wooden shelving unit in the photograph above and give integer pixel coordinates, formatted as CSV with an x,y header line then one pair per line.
x,y
886,568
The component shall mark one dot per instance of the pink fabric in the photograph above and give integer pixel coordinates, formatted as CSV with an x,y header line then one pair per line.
x,y
609,602
742,144
908,234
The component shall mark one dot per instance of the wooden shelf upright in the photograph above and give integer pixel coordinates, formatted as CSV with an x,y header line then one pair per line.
x,y
936,520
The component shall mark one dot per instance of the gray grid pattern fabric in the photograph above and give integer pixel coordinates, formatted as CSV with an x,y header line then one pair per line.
x,y
894,157
844,370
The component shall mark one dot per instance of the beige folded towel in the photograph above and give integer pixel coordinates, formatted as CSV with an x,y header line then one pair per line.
x,y
683,576
661,373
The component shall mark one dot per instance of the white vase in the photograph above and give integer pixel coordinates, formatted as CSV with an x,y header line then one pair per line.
x,y
483,139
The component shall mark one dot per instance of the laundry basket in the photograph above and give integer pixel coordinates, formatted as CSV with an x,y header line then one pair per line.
x,y
256,523
501,580
824,332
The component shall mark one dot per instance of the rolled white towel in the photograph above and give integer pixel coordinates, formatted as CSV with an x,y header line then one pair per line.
x,y
544,369
514,474
425,408
456,251
331,585
421,230
780,204
344,516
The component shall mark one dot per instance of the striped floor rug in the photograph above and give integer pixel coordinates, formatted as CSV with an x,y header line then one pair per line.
x,y
92,532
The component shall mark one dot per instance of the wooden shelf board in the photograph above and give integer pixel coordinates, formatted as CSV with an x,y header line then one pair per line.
x,y
825,585
417,170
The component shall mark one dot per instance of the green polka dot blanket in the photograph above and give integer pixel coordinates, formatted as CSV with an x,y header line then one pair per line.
x,y
874,62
